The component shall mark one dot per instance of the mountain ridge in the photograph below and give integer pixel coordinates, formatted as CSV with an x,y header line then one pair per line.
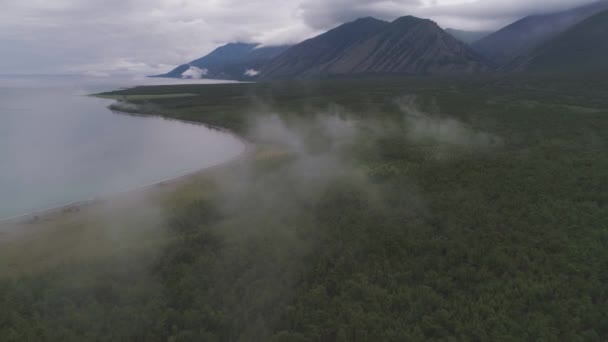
x,y
239,61
524,35
321,49
583,48
408,45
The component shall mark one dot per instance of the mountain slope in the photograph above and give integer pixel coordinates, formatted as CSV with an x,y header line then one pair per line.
x,y
468,37
218,58
303,57
583,48
528,33
231,61
409,45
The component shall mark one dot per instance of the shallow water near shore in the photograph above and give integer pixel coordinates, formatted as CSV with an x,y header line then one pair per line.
x,y
59,146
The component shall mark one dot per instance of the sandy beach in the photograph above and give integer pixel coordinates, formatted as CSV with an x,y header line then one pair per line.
x,y
28,224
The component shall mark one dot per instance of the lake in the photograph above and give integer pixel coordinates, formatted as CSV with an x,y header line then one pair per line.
x,y
59,146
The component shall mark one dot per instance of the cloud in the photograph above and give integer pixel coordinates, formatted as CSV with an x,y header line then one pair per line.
x,y
151,36
195,73
442,130
251,73
60,36
493,14
464,14
322,14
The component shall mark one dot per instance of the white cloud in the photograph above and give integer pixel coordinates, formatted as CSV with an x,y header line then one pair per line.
x,y
195,73
251,73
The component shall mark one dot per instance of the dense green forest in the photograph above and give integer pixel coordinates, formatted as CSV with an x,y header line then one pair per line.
x,y
371,210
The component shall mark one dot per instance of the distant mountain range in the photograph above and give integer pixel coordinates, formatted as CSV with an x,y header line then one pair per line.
x,y
524,35
583,48
575,40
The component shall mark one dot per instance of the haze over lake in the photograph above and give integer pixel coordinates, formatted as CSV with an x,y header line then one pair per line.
x,y
58,145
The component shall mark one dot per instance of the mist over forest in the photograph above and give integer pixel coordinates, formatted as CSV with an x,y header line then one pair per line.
x,y
318,171
422,210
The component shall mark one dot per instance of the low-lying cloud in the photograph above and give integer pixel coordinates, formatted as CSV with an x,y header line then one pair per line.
x,y
325,147
251,73
195,73
440,129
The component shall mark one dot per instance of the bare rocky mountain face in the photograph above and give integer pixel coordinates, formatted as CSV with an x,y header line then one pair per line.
x,y
303,59
407,46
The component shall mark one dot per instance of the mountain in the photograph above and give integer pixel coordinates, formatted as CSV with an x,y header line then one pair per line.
x,y
217,59
236,61
528,33
304,58
583,48
468,37
368,46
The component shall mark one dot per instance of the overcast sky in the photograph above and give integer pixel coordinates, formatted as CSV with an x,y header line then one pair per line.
x,y
149,36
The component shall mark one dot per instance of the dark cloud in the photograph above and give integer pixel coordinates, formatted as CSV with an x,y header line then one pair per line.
x,y
322,14
465,14
499,9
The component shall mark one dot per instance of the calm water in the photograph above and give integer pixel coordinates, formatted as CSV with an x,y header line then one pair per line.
x,y
59,146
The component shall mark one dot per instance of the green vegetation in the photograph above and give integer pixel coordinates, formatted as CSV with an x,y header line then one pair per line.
x,y
372,210
144,96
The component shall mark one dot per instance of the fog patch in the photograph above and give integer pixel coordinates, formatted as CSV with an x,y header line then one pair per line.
x,y
305,156
251,73
124,106
435,128
195,73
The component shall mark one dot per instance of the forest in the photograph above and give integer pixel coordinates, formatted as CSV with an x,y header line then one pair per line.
x,y
393,209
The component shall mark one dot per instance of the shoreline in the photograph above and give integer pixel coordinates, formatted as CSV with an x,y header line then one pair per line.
x,y
62,209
